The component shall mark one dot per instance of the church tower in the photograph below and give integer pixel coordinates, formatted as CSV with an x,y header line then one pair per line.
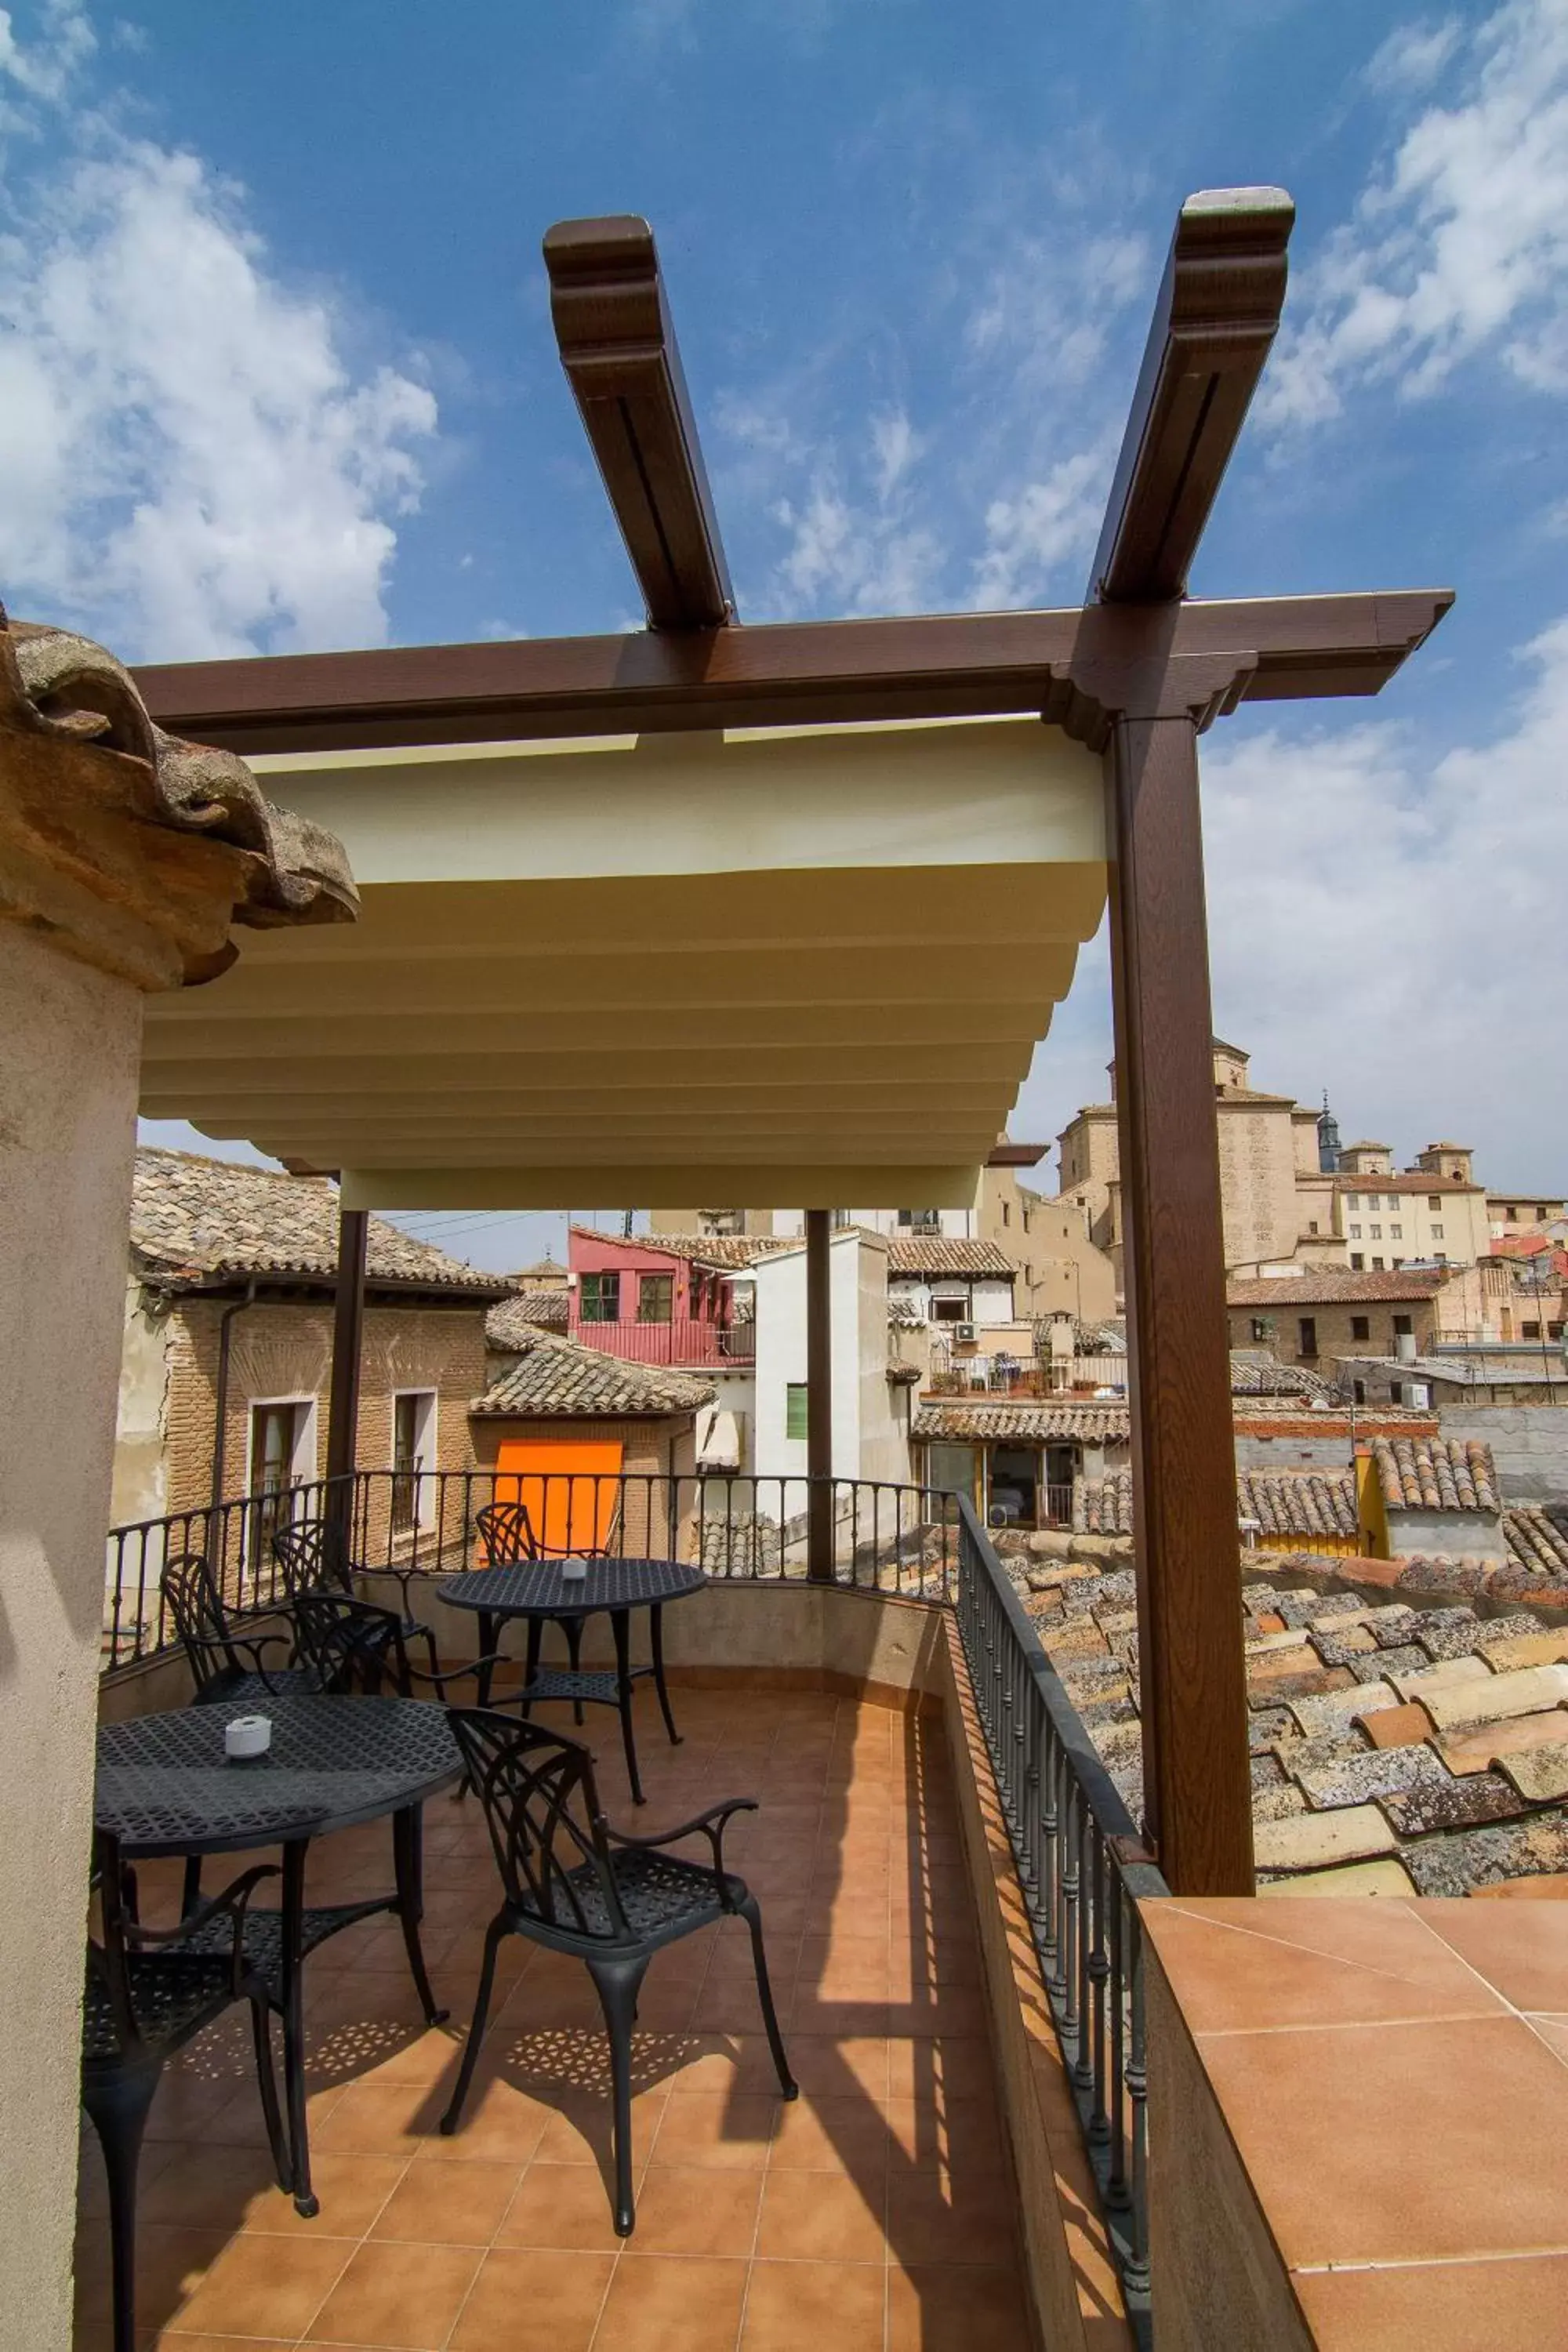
x,y
1328,1141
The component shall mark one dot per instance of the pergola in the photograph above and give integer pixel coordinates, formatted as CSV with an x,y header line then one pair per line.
x,y
787,907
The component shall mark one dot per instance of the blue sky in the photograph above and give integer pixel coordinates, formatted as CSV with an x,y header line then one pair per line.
x,y
277,371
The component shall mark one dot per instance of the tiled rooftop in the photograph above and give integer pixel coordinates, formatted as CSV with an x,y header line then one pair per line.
x,y
729,1253
1436,1473
1327,1286
946,1254
554,1376
193,1218
1537,1535
1299,1501
512,1322
997,1417
1394,1749
873,2215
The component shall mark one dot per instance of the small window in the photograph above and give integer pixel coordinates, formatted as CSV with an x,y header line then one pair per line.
x,y
1555,1330
1352,1200
794,1409
1355,1233
1359,1387
1377,1233
1377,1265
1361,1327
1006,1214
1437,1233
656,1297
1511,1212
413,1452
1312,1225
1391,1200
601,1298
1433,1200
1397,1393
950,1310
1260,1330
1540,1213
1530,1330
1397,1232
1402,1327
1358,1263
1308,1331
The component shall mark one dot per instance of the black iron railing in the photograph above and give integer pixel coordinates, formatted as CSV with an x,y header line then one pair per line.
x,y
885,1537
1074,1843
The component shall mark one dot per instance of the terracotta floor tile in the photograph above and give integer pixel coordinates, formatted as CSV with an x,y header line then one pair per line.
x,y
402,2295
581,2130
500,2124
207,2187
672,2303
696,2212
565,2208
822,2217
1314,1963
711,2128
1508,2306
352,2189
1406,2142
825,2066
957,2311
961,2136
533,2302
830,2134
379,2119
1520,1948
840,2304
732,2005
263,2286
943,2217
446,2204
958,2066
171,2266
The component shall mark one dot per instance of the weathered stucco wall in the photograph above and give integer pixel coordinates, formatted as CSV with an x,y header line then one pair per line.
x,y
141,1488
1529,1443
69,1043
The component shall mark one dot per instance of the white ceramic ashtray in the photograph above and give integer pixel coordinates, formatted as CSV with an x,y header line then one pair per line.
x,y
573,1571
247,1738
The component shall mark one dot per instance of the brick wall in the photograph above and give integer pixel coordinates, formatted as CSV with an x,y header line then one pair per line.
x,y
285,1351
1334,1322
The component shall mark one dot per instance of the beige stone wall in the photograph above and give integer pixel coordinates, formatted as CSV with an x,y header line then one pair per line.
x,y
1335,1335
1257,1180
140,1461
279,1350
69,1047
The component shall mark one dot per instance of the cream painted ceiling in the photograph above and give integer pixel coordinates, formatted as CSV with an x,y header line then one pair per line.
x,y
802,965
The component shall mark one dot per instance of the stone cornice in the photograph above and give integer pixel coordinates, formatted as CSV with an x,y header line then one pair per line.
x,y
133,851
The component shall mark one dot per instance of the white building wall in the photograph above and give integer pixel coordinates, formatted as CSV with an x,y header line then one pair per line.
x,y
867,1440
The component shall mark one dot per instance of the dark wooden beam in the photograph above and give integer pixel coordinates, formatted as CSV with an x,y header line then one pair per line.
x,y
1016,1155
1216,318
348,1341
797,673
618,348
1197,1791
818,1395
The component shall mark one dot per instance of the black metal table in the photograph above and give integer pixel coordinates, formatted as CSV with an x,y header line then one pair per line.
x,y
165,1787
539,1593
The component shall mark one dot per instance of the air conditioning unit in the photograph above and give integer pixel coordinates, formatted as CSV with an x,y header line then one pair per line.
x,y
965,1330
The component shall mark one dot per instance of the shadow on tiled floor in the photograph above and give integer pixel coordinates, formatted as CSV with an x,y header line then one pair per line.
x,y
873,2215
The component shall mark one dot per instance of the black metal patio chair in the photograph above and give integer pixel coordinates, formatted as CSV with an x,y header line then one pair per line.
x,y
575,1886
312,1555
506,1532
225,1664
148,1993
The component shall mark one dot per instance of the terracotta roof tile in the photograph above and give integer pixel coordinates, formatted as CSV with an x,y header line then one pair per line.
x,y
1537,1535
514,1320
1299,1501
1436,1473
194,1219
1326,1287
969,1421
728,1253
942,1254
558,1377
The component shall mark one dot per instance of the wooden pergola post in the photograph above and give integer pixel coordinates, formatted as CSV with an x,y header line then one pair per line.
x,y
819,1395
1197,1787
348,1338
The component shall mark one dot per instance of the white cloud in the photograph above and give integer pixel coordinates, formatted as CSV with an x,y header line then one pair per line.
x,y
1030,536
194,466
1459,245
1414,56
1383,925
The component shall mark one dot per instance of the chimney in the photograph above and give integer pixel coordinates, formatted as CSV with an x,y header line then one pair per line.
x,y
1405,1347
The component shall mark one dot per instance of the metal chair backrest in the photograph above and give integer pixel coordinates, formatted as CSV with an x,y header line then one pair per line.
x,y
506,1533
351,1645
193,1598
312,1555
106,1958
543,1811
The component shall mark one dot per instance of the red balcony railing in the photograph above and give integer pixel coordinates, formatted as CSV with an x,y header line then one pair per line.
x,y
682,1341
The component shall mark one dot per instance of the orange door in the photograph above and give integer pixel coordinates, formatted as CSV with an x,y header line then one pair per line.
x,y
568,1486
